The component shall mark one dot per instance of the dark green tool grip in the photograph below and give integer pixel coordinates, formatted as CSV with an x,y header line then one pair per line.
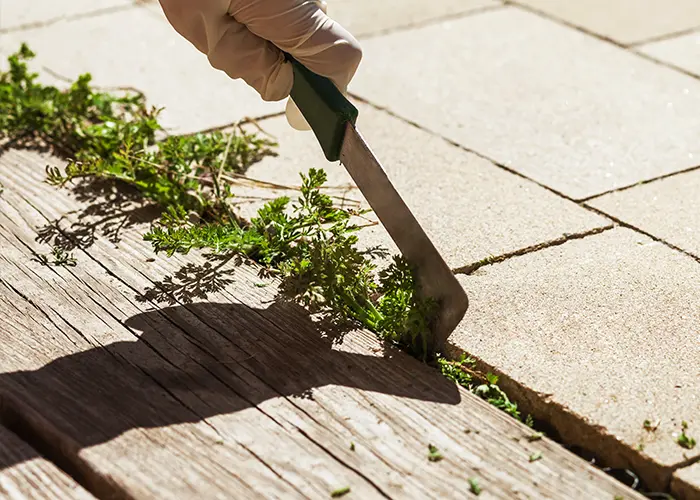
x,y
325,108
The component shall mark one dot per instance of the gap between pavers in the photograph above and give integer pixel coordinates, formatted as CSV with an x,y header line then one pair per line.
x,y
682,52
686,483
624,21
468,206
367,17
133,48
668,209
596,336
572,112
20,13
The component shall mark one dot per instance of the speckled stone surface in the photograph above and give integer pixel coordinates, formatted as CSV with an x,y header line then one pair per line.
x,y
467,205
137,49
669,209
686,481
625,21
604,328
575,113
18,13
682,51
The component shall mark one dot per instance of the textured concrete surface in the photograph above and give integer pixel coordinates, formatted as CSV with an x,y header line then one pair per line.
x,y
625,21
368,17
470,207
14,14
669,209
682,52
570,111
134,48
606,327
686,482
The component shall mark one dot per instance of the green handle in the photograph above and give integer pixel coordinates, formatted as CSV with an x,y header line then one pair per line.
x,y
325,108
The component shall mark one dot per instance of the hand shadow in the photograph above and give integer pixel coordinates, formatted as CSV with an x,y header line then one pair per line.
x,y
190,363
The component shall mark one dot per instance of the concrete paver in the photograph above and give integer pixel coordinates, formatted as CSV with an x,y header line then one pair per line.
x,y
555,104
366,17
686,482
625,21
470,207
134,48
683,52
14,13
669,209
604,328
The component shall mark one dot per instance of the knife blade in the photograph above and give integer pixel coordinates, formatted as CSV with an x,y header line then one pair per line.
x,y
333,118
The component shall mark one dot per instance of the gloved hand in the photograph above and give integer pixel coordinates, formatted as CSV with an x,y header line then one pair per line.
x,y
243,38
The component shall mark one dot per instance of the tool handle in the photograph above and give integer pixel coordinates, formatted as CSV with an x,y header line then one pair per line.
x,y
325,108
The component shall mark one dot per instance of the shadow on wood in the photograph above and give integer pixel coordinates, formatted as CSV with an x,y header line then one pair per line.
x,y
193,362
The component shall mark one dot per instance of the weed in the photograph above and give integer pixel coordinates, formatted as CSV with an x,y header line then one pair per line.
x,y
309,244
463,372
340,492
535,437
651,426
434,454
529,421
536,456
683,439
474,486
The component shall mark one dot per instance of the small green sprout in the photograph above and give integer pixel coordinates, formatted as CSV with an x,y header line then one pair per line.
x,y
684,440
340,492
474,486
434,454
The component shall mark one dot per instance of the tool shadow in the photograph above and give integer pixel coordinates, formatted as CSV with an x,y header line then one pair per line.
x,y
189,363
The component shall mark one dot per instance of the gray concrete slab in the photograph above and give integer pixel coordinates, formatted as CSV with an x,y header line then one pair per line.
x,y
19,13
470,207
575,113
682,51
686,483
368,17
668,208
134,48
600,334
625,21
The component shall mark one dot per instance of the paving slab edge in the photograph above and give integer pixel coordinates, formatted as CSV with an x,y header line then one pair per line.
x,y
575,431
682,489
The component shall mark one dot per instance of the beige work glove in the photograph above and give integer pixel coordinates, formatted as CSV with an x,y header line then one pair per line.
x,y
243,38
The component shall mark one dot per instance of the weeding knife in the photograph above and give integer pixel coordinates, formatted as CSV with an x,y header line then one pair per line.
x,y
332,118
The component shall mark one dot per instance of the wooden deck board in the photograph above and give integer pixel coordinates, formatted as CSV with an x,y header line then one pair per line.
x,y
25,475
232,394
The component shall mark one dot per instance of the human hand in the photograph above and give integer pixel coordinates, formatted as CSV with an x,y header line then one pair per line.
x,y
245,39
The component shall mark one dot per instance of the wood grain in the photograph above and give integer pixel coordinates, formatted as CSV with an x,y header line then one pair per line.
x,y
173,377
25,475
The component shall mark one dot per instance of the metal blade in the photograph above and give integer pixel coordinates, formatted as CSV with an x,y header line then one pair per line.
x,y
435,277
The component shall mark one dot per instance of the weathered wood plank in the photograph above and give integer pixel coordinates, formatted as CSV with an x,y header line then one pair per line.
x,y
236,359
25,475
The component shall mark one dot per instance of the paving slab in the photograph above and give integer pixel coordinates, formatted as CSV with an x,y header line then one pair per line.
x,y
682,51
18,13
686,483
625,21
134,48
600,334
669,209
573,112
470,207
367,17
